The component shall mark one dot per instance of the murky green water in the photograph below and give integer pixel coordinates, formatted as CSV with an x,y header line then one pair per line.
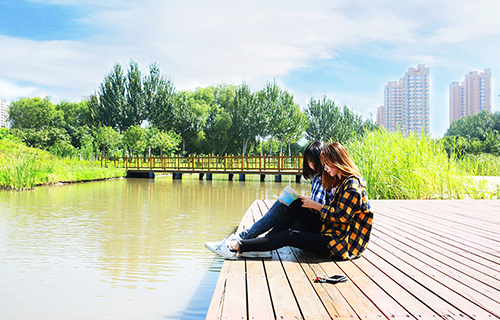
x,y
122,249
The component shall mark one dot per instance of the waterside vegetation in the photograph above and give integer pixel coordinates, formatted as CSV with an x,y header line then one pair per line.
x,y
23,168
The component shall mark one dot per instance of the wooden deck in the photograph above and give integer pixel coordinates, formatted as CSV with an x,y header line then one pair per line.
x,y
426,260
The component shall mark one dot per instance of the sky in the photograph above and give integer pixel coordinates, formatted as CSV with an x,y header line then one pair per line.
x,y
347,50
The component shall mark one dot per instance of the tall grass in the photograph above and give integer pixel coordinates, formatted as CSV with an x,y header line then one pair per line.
x,y
24,168
480,165
409,166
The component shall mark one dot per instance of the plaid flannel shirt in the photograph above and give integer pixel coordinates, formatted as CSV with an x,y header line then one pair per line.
x,y
319,194
348,219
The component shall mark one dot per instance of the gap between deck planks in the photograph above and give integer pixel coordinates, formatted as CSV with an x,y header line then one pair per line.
x,y
427,259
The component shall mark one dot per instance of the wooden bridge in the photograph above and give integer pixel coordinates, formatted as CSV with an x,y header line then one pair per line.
x,y
211,164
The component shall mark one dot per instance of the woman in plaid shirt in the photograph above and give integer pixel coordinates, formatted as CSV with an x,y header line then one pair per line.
x,y
343,228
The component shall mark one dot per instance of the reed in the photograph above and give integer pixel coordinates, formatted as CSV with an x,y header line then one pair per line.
x,y
410,166
480,165
24,168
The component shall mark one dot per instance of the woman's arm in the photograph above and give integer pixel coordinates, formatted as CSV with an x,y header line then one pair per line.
x,y
310,203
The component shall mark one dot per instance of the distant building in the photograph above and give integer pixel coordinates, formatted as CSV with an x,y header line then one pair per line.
x,y
4,114
471,96
406,102
381,115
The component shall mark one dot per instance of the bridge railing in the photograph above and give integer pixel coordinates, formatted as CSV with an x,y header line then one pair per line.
x,y
210,163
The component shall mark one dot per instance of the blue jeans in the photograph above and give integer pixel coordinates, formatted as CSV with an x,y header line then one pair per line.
x,y
266,222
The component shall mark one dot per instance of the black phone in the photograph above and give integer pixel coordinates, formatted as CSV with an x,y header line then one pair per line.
x,y
333,279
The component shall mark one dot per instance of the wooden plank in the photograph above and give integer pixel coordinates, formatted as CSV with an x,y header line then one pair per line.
x,y
259,299
448,227
332,299
383,301
235,302
399,280
310,305
283,300
363,307
217,302
442,288
446,259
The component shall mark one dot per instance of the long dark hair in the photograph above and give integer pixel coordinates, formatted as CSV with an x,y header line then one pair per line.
x,y
313,154
335,155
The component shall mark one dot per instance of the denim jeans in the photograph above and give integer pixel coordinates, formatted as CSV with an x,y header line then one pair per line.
x,y
266,222
308,239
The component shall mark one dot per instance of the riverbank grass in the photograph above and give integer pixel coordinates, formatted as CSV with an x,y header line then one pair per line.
x,y
411,166
24,168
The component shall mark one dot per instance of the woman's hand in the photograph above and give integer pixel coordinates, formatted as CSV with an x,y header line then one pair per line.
x,y
310,203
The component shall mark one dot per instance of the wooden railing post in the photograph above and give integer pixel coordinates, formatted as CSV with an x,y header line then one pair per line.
x,y
242,162
260,163
138,163
209,158
151,162
126,163
279,162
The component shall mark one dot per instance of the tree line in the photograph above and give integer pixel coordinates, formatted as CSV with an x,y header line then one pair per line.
x,y
134,113
479,133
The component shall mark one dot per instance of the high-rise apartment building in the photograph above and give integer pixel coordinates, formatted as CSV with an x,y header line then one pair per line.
x,y
406,102
4,109
471,96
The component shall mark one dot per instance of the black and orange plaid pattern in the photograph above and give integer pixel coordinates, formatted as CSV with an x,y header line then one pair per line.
x,y
348,219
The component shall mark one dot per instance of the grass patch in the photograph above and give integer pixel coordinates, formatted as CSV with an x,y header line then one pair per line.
x,y
409,166
484,164
24,168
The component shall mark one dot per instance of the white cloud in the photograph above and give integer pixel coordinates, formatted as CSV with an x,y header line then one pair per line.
x,y
198,43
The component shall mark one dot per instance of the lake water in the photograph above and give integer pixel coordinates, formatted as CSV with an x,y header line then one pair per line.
x,y
120,249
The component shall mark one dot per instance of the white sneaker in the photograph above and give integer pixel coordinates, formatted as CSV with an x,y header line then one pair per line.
x,y
234,237
221,248
256,254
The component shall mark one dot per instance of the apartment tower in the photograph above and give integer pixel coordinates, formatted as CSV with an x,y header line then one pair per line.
x,y
471,96
4,112
406,102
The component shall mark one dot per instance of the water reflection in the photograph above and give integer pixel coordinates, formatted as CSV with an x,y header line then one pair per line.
x,y
129,248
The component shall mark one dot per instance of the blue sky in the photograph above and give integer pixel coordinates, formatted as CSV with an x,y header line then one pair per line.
x,y
346,49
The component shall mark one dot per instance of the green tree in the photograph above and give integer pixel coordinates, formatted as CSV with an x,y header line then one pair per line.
x,y
34,113
247,117
134,139
158,98
76,120
479,133
107,140
189,116
168,142
274,104
120,101
328,122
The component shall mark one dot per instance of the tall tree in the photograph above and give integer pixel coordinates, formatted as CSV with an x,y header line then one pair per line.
x,y
35,113
158,98
247,118
120,101
328,122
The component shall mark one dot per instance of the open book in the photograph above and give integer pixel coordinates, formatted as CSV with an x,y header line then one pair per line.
x,y
287,196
